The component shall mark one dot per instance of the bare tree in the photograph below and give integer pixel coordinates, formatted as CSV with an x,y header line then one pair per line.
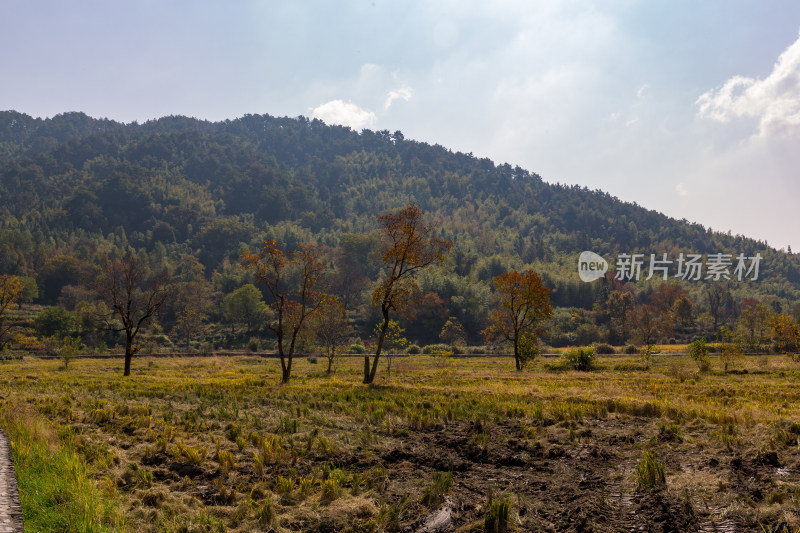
x,y
331,328
134,299
719,302
650,324
272,266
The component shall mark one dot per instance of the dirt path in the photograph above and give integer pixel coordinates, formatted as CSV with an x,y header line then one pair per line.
x,y
10,510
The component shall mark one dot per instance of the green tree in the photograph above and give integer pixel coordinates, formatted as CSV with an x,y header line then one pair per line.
x,y
730,349
68,349
30,291
245,307
192,300
698,350
189,324
394,341
453,332
54,322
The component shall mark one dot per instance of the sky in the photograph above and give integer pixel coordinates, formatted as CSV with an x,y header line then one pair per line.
x,y
689,108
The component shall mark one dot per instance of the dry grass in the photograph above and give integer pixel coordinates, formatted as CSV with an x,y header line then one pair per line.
x,y
193,443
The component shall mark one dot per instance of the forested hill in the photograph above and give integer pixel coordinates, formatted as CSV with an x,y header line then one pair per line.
x,y
80,186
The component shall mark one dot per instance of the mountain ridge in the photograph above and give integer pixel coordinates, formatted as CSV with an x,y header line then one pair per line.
x,y
212,187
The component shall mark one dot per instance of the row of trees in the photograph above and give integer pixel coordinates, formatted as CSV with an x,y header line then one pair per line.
x,y
668,314
295,281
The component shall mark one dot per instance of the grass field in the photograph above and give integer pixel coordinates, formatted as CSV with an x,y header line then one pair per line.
x,y
215,444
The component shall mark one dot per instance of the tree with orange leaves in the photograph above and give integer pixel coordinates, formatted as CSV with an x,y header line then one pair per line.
x,y
11,288
274,267
523,303
410,246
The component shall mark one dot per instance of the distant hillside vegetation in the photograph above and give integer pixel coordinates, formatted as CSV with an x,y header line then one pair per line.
x,y
77,187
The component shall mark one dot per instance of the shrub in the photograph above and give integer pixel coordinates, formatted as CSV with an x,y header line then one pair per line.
x,y
68,349
604,349
266,514
647,354
358,348
669,432
698,350
477,350
649,472
226,462
586,334
284,485
305,485
54,322
414,349
498,517
528,349
579,358
435,349
434,494
330,489
631,349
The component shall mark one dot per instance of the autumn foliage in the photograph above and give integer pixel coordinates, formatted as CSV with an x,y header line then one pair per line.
x,y
410,246
273,268
10,289
523,302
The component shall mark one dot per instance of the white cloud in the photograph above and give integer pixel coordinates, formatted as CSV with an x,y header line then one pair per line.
x,y
681,190
345,114
403,93
773,101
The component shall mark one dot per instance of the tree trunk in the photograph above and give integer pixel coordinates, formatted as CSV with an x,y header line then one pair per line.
x,y
516,354
128,355
285,369
369,375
